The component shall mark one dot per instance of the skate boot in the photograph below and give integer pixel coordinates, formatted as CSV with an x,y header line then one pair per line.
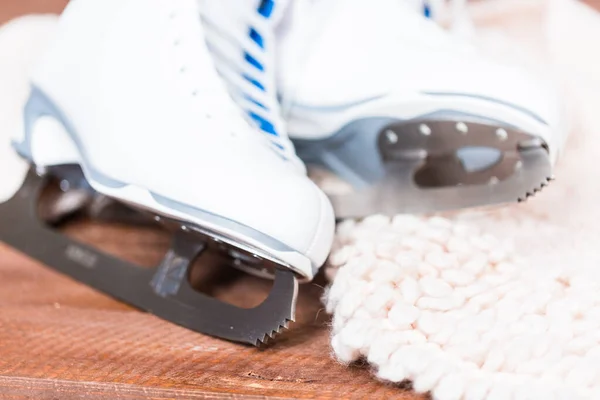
x,y
395,115
24,39
127,101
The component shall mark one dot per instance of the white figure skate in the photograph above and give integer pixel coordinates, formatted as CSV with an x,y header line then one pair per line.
x,y
407,118
127,101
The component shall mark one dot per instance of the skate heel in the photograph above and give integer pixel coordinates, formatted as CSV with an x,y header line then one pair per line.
x,y
47,140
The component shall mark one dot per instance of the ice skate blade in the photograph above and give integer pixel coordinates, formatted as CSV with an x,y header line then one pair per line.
x,y
416,167
163,291
397,194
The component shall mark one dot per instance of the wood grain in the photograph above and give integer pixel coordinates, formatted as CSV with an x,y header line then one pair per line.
x,y
61,338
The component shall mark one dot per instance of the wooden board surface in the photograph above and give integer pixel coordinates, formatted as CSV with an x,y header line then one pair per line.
x,y
61,338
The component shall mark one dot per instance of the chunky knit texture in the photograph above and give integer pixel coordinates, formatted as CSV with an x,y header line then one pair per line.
x,y
499,303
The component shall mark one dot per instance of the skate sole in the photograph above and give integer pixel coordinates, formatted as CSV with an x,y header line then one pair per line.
x,y
418,166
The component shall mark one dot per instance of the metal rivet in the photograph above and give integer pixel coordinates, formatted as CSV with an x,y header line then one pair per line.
x,y
462,127
157,218
518,165
501,134
391,136
494,180
425,129
65,185
184,228
41,171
